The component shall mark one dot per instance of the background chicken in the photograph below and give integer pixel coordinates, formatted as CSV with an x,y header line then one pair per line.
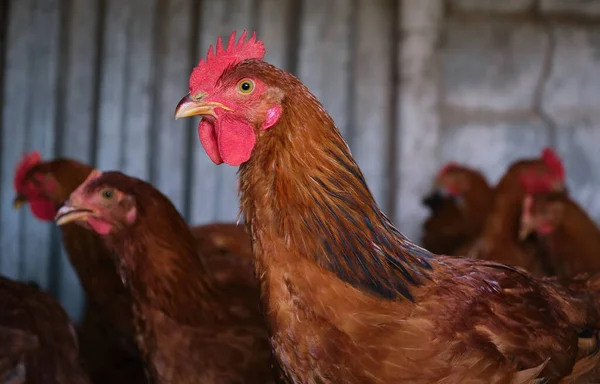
x,y
106,332
571,239
38,343
189,328
459,205
499,239
348,298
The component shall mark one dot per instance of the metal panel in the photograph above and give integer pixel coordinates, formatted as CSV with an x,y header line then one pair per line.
x,y
214,196
98,80
41,128
78,118
169,153
15,110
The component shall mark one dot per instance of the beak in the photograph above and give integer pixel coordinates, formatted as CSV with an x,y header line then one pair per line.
x,y
19,201
67,214
525,230
188,106
433,200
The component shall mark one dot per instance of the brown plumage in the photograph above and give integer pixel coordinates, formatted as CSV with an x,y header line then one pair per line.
x,y
38,343
459,205
226,252
189,328
106,332
571,238
499,240
348,298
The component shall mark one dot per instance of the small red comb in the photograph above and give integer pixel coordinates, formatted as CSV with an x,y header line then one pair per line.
x,y
210,69
28,161
554,163
448,167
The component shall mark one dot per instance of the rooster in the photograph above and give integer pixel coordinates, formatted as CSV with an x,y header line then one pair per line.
x,y
348,298
459,206
189,329
38,344
571,238
499,239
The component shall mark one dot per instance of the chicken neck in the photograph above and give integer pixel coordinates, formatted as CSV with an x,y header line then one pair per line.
x,y
158,262
303,187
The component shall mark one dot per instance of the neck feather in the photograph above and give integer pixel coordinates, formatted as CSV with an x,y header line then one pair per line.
x,y
303,184
160,263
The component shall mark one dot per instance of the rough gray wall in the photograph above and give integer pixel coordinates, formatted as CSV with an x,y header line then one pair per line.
x,y
410,83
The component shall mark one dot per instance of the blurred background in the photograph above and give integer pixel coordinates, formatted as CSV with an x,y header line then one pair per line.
x,y
411,84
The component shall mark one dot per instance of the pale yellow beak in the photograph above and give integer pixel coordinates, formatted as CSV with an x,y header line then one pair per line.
x,y
525,230
19,201
68,214
188,106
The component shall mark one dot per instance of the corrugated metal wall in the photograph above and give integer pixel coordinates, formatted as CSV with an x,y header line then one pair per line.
x,y
98,80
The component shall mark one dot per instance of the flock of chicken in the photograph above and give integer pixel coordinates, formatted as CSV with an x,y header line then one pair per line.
x,y
320,287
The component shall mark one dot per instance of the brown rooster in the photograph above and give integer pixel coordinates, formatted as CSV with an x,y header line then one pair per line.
x,y
348,298
106,333
189,329
570,236
499,239
459,206
38,344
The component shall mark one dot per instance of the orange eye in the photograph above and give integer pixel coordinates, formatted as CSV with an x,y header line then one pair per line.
x,y
245,86
107,194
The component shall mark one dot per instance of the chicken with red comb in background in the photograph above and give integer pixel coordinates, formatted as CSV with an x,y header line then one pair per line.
x,y
106,333
499,239
570,237
28,192
348,298
189,328
459,205
107,347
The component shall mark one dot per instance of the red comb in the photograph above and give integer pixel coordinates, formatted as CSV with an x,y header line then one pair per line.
x,y
28,161
448,167
553,163
208,71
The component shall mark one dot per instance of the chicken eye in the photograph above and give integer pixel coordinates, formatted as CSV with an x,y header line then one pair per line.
x,y
107,194
245,86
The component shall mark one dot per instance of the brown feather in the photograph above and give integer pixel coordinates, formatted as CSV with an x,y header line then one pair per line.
x,y
39,344
190,329
573,245
350,299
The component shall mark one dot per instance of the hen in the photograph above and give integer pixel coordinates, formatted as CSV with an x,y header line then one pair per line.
x,y
459,206
571,238
189,329
499,238
38,344
348,298
106,332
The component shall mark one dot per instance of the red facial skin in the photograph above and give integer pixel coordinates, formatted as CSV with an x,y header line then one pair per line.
x,y
35,188
104,205
233,108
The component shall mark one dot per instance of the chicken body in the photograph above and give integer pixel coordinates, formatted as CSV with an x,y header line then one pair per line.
x,y
499,239
190,327
348,298
38,342
459,206
570,237
107,334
